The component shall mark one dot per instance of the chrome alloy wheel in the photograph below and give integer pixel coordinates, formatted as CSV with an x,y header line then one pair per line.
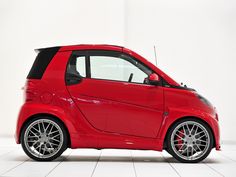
x,y
190,140
43,138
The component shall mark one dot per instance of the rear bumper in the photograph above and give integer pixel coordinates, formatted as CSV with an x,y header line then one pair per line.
x,y
18,126
216,133
16,139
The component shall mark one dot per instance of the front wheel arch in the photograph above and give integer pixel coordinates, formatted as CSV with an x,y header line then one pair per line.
x,y
46,115
182,118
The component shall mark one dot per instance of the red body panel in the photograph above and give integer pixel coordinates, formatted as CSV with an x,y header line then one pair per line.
x,y
110,114
120,107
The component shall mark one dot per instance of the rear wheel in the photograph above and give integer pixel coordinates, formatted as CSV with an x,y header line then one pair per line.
x,y
44,138
189,140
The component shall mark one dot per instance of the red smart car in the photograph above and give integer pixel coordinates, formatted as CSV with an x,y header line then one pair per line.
x,y
105,96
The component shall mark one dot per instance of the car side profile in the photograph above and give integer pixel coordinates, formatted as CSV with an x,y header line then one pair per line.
x,y
106,96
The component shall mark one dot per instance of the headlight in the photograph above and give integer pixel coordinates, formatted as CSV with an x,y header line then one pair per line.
x,y
204,100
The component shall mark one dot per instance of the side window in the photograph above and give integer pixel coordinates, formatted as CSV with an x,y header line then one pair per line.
x,y
119,68
76,66
75,69
107,65
80,65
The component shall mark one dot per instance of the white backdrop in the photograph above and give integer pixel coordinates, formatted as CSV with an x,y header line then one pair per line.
x,y
195,41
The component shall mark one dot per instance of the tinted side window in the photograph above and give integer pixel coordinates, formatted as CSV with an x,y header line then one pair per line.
x,y
76,66
76,69
41,62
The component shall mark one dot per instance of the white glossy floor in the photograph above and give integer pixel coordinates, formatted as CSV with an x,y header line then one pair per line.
x,y
112,163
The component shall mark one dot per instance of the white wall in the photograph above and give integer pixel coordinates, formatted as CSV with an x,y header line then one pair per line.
x,y
196,45
195,41
26,25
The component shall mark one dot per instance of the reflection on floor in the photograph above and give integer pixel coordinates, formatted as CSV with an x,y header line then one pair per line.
x,y
111,162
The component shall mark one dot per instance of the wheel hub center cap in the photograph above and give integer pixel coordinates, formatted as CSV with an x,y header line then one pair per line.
x,y
44,138
189,140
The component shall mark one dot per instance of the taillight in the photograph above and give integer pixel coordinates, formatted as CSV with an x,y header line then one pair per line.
x,y
29,95
29,90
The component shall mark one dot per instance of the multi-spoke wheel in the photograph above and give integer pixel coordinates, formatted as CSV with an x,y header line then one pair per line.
x,y
44,139
189,140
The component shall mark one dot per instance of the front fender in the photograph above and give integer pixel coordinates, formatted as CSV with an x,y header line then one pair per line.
x,y
175,114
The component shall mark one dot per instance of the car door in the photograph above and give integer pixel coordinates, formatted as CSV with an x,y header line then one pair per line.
x,y
113,95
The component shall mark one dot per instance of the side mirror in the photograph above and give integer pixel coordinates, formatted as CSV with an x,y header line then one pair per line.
x,y
154,79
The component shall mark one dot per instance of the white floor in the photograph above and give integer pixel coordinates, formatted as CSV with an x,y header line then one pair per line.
x,y
112,163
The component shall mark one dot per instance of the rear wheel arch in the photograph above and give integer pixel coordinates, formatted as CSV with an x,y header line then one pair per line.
x,y
46,115
187,117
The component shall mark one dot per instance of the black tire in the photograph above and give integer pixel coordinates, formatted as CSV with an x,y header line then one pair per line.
x,y
171,150
63,134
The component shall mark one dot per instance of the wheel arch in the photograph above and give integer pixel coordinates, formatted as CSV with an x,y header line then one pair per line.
x,y
46,115
186,117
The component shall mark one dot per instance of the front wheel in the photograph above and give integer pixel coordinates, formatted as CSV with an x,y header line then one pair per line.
x,y
44,138
189,140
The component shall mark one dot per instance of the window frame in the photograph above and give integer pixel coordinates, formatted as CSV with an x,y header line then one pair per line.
x,y
116,54
110,53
